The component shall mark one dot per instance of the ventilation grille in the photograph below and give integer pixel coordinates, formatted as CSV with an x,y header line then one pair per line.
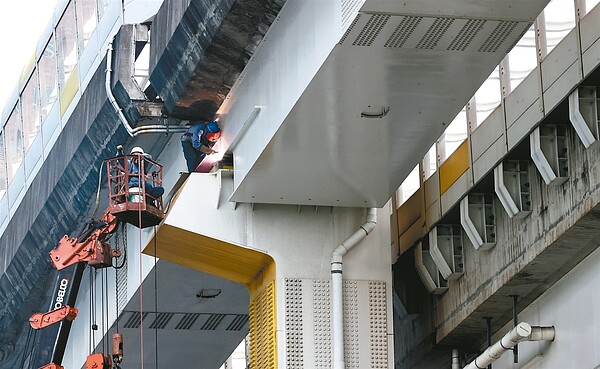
x,y
121,276
134,320
187,321
263,343
374,25
433,33
349,9
404,30
161,321
238,323
213,322
350,29
500,34
466,35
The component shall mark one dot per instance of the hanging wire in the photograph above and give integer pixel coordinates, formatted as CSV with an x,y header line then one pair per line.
x,y
141,170
98,191
155,301
105,297
93,274
27,344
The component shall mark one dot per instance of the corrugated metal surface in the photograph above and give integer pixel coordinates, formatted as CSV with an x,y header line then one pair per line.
x,y
202,48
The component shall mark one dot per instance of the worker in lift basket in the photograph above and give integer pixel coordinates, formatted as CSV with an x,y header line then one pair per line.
x,y
198,141
154,192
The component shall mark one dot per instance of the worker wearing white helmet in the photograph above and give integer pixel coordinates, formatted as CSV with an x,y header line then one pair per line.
x,y
152,191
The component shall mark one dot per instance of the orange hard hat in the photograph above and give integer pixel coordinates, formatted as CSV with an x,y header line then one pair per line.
x,y
213,136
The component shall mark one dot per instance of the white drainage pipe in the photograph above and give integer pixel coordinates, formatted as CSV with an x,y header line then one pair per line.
x,y
522,332
337,300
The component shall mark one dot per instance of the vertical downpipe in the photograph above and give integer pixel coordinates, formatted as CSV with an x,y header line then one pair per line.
x,y
337,298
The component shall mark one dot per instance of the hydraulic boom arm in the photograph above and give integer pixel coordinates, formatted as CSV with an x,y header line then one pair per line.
x,y
90,247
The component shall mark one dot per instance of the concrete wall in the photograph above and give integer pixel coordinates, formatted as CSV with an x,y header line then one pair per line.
x,y
571,306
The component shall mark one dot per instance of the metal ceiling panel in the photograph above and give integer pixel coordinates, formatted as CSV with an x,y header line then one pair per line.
x,y
398,76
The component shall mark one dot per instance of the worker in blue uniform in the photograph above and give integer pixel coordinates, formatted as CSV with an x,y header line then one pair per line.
x,y
198,141
152,191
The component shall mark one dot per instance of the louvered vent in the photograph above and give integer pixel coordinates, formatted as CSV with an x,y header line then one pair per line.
x,y
350,29
467,34
213,322
374,25
161,321
187,321
404,30
349,9
121,280
238,323
134,320
435,33
498,36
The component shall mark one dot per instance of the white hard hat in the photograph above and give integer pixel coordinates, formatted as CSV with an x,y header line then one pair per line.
x,y
137,150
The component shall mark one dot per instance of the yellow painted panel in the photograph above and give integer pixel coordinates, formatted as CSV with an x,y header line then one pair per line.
x,y
207,254
454,167
69,90
410,211
263,329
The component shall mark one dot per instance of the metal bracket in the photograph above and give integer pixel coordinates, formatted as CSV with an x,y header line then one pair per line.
x,y
384,111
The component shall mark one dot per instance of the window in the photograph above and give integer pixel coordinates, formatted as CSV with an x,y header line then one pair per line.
x,y
30,106
487,98
3,173
522,59
48,79
13,131
560,20
66,42
87,19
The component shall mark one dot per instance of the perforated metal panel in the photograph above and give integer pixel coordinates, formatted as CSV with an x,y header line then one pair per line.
x,y
403,31
378,325
374,25
351,327
293,324
308,327
433,33
322,323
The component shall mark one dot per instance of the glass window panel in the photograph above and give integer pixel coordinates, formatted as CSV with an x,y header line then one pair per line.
x,y
410,185
560,20
102,5
430,162
3,163
522,59
30,107
142,68
14,141
487,97
87,20
66,41
454,135
590,4
48,79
